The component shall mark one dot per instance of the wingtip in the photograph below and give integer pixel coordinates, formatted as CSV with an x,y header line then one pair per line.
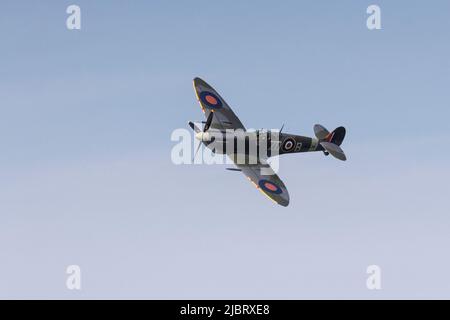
x,y
284,202
201,82
198,80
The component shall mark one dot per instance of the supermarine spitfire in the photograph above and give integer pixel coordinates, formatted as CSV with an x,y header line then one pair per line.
x,y
221,120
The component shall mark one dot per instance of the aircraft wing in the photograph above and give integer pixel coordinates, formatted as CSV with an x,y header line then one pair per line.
x,y
210,101
261,174
266,181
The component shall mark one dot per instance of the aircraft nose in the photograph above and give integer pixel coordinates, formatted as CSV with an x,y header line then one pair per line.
x,y
203,136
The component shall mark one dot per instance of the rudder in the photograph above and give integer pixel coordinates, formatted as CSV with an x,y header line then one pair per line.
x,y
336,136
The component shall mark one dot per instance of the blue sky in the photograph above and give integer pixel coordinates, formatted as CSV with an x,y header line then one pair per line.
x,y
86,176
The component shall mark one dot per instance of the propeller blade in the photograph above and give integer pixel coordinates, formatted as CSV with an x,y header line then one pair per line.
x,y
196,151
208,121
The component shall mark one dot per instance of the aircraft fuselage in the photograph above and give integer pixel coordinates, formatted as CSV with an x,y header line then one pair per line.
x,y
260,142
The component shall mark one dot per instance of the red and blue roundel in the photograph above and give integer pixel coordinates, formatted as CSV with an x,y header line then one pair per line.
x,y
210,100
269,186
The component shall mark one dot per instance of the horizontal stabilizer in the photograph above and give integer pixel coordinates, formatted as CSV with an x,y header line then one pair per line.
x,y
334,150
320,131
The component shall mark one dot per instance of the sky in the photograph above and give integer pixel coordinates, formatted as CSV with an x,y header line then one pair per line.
x,y
86,176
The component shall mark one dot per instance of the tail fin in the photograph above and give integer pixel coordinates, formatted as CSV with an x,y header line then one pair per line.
x,y
331,141
337,136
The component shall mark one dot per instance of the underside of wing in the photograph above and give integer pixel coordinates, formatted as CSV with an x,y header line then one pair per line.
x,y
267,181
210,101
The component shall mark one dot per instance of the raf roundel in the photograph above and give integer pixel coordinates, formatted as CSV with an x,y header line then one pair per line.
x,y
269,186
288,145
210,100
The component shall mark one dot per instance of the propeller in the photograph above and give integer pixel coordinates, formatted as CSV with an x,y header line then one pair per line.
x,y
208,121
205,128
191,124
